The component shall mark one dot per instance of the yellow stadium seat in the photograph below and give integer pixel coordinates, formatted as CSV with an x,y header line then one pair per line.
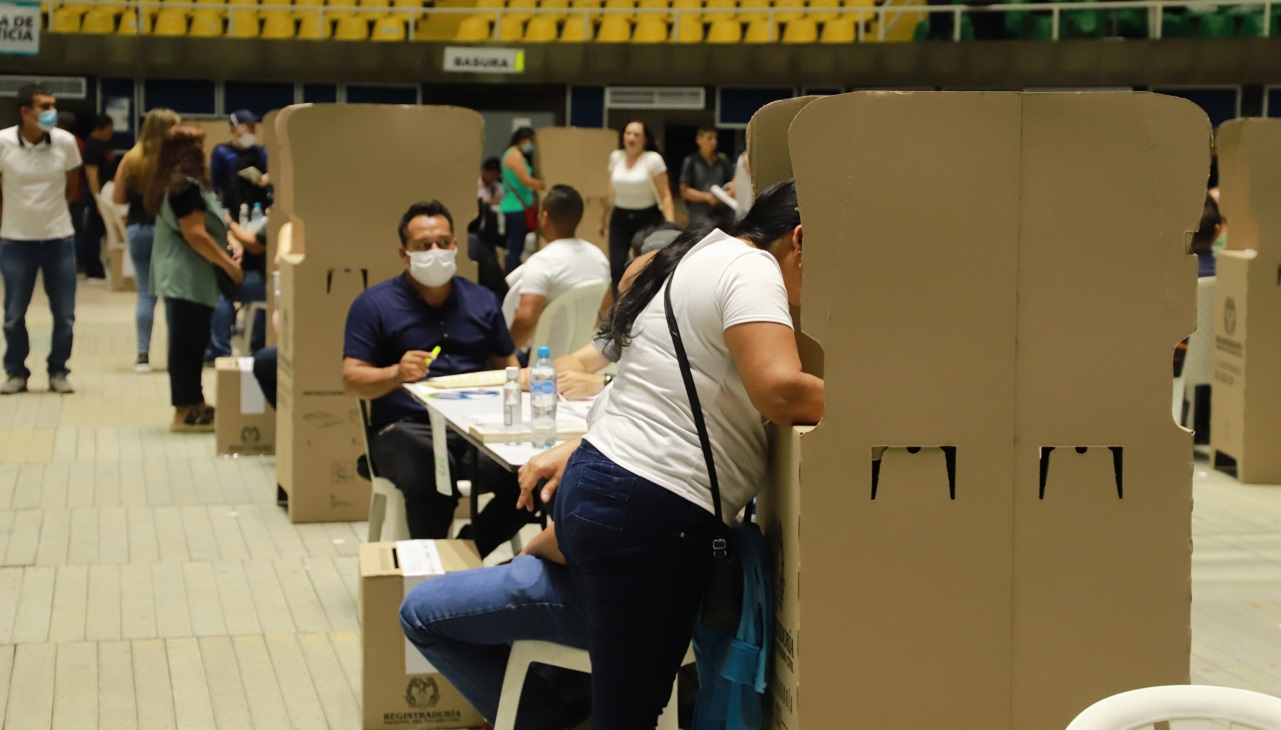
x,y
556,9
390,30
206,23
211,2
311,28
351,28
374,5
129,24
278,25
100,20
725,31
688,30
801,30
408,4
170,23
688,9
823,10
576,30
663,5
620,4
335,9
860,3
541,29
760,31
65,20
472,29
488,5
578,6
239,3
786,11
243,24
509,29
650,29
841,30
615,29
522,9
726,9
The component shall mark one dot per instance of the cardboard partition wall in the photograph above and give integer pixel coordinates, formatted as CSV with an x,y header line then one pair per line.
x,y
246,423
401,690
579,158
277,216
1245,423
996,507
346,190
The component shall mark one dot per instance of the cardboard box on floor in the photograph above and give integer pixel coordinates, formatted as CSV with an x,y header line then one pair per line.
x,y
246,424
345,191
400,690
996,507
579,157
1245,423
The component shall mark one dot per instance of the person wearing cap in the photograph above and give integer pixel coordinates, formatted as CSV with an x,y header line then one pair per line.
x,y
238,173
39,175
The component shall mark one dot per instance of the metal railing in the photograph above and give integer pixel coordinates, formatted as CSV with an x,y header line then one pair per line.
x,y
885,16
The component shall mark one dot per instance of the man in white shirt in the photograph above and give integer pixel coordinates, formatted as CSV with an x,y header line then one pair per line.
x,y
39,175
563,264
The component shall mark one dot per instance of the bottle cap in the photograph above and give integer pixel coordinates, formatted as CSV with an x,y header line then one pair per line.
x,y
544,352
513,373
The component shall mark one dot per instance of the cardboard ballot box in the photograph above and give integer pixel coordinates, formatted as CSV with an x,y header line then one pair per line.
x,y
991,526
401,691
1245,423
246,424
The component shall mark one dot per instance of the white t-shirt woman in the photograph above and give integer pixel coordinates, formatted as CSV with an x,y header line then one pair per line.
x,y
634,185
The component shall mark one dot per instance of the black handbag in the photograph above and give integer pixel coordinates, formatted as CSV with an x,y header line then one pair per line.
x,y
723,601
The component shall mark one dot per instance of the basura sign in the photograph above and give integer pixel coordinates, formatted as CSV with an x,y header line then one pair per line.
x,y
19,28
485,60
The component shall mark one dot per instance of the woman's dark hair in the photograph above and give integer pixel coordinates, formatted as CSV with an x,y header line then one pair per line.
x,y
651,142
182,156
520,135
772,216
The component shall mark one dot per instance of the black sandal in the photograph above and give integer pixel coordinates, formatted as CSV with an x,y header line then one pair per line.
x,y
197,420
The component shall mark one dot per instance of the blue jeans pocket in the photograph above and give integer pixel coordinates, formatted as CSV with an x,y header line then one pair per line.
x,y
597,508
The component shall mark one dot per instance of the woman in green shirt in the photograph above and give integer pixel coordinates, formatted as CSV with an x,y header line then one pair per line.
x,y
190,244
519,186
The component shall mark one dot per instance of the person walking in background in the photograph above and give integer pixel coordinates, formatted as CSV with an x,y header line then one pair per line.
x,y
639,192
519,205
100,166
190,248
39,176
702,170
68,123
485,235
137,170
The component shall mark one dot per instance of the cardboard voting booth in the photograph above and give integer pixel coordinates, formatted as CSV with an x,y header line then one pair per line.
x,y
579,158
246,423
348,174
277,217
400,689
991,526
1245,422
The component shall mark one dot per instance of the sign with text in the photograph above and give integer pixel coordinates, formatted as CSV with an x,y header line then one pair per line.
x,y
485,60
19,28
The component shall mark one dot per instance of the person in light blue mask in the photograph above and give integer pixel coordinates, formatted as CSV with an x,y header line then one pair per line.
x,y
520,199
39,176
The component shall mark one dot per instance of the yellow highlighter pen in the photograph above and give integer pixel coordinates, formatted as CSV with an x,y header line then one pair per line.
x,y
435,353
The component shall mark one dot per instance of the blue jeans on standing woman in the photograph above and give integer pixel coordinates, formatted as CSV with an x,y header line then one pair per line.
x,y
517,228
20,261
141,238
253,289
639,555
464,624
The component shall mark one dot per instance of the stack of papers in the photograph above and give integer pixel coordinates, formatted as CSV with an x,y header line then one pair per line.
x,y
490,429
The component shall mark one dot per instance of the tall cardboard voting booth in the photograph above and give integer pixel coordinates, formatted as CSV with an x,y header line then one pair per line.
x,y
1245,423
348,174
579,158
991,526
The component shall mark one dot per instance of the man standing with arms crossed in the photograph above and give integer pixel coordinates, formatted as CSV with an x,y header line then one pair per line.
x,y
39,175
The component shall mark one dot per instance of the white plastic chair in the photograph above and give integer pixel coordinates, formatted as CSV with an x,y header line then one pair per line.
x,y
387,520
569,321
1144,707
112,216
1198,365
244,332
525,653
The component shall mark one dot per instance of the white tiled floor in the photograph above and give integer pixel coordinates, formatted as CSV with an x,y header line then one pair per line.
x,y
145,583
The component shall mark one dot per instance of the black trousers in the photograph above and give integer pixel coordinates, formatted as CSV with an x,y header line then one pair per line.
x,y
624,224
89,243
402,452
189,326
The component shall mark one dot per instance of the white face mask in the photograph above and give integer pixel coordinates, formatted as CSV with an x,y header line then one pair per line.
x,y
245,141
435,267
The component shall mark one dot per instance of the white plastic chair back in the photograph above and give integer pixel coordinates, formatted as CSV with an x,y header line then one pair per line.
x,y
569,321
1142,708
112,216
387,519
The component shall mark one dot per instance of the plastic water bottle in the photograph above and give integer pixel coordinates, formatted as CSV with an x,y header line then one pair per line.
x,y
256,218
542,399
244,214
511,398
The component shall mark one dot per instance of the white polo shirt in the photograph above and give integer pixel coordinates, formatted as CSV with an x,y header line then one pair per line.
x,y
33,179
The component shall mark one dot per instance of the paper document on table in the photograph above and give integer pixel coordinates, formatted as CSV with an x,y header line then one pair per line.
x,y
490,428
483,379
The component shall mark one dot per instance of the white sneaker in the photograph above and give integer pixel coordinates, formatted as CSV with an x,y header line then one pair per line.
x,y
142,364
14,384
59,384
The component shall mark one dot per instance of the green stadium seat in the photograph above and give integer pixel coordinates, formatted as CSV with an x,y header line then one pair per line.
x,y
1082,23
1251,26
1215,25
1175,25
1132,23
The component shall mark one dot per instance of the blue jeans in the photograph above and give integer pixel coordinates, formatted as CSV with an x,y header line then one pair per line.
x,y
517,227
254,289
464,624
19,262
639,556
141,238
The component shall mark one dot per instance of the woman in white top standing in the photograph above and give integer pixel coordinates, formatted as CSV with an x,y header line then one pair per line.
x,y
634,514
639,194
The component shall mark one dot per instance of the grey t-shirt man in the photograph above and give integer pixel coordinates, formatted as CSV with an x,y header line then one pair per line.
x,y
696,173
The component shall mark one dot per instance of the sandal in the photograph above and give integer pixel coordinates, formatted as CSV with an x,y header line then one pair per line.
x,y
197,420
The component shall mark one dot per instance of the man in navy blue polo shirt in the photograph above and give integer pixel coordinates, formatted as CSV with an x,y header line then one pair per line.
x,y
391,330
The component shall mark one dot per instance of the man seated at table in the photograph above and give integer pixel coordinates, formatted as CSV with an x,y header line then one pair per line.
x,y
565,263
392,329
